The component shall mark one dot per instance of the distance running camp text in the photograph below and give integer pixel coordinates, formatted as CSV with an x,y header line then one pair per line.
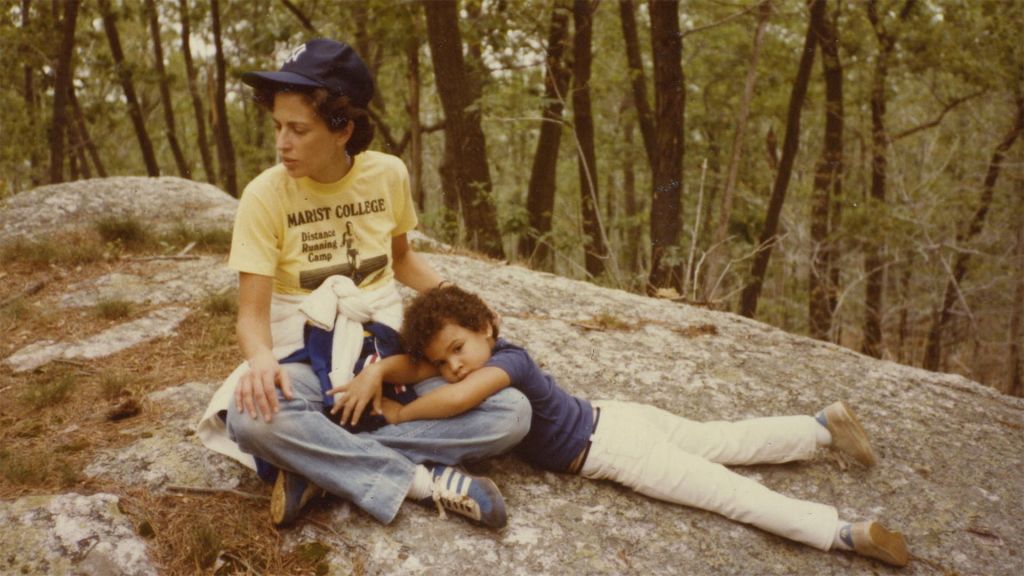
x,y
321,245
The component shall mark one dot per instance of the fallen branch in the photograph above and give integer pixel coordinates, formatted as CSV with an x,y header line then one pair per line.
x,y
82,366
204,490
187,249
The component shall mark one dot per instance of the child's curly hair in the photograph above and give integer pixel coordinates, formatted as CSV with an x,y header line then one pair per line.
x,y
430,312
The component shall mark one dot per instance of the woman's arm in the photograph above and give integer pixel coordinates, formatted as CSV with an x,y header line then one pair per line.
x,y
453,399
255,392
411,268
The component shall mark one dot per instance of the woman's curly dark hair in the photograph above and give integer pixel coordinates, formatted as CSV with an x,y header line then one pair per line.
x,y
333,109
430,312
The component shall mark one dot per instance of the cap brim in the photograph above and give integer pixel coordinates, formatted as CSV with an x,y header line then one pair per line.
x,y
261,79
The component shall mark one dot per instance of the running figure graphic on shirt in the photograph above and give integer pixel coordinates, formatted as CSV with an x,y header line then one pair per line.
x,y
356,267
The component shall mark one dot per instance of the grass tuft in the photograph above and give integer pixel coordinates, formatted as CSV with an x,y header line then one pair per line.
x,y
49,391
15,310
21,469
125,230
74,251
221,304
114,309
116,384
204,545
211,239
36,468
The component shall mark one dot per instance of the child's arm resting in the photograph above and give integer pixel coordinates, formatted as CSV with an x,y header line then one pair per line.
x,y
365,387
454,399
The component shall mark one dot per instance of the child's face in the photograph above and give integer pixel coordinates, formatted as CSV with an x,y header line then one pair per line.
x,y
457,351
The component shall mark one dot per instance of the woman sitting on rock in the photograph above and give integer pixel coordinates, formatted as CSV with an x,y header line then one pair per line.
x,y
321,237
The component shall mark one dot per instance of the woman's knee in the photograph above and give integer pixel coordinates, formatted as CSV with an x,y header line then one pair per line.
x,y
243,428
509,415
253,434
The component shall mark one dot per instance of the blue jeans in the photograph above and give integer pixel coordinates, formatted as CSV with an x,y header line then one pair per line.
x,y
374,470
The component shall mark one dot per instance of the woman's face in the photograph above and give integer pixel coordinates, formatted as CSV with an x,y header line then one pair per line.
x,y
306,146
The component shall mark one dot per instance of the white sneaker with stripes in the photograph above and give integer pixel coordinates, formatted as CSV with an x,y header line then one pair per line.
x,y
474,497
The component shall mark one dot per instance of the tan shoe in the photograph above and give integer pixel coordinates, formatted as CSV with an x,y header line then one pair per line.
x,y
847,433
289,496
873,540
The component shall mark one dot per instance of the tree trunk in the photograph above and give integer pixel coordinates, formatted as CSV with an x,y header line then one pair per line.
x,y
933,348
193,90
902,356
627,14
632,232
828,181
1014,369
412,52
79,164
667,169
83,130
124,73
790,144
222,124
874,268
718,251
874,261
307,24
60,90
31,106
165,91
594,249
540,196
466,147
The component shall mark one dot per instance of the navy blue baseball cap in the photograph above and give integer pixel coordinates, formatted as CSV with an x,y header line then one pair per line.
x,y
321,63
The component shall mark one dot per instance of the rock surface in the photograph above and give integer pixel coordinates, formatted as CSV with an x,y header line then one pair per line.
x,y
70,534
157,324
951,451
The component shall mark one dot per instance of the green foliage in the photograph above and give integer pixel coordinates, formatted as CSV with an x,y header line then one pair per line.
x,y
944,52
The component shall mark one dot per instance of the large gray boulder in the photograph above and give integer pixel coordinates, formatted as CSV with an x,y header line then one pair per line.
x,y
162,202
950,451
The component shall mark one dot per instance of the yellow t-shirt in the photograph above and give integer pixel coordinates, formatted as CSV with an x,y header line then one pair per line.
x,y
301,231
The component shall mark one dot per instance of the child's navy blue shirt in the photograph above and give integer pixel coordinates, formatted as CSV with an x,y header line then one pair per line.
x,y
561,423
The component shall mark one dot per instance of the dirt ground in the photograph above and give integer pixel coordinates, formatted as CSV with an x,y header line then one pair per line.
x,y
54,419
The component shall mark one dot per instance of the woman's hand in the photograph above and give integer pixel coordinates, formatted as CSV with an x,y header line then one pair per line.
x,y
256,390
352,398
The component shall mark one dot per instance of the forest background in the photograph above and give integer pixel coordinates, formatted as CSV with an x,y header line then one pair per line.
x,y
848,170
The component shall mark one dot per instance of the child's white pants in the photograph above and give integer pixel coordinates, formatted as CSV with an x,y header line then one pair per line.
x,y
677,460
